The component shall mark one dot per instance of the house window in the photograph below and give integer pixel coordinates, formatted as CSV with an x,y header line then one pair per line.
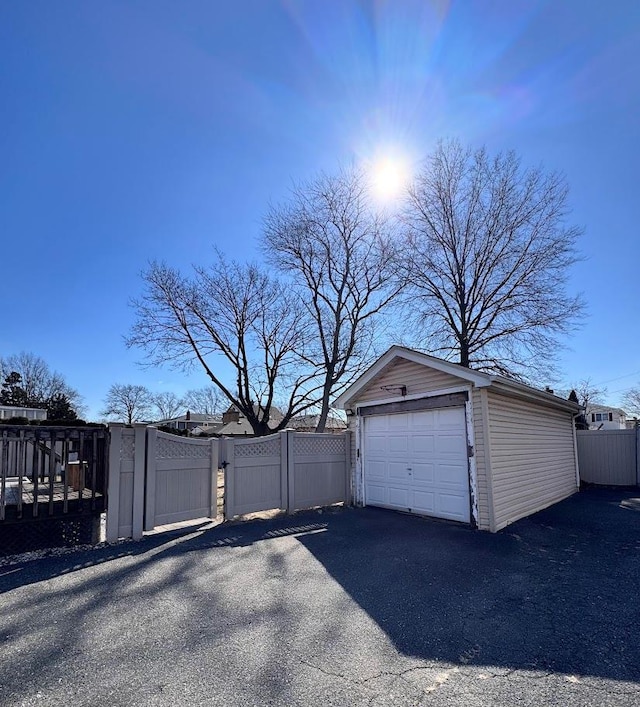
x,y
602,417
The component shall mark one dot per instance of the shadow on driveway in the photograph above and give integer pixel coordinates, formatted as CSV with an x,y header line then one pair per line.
x,y
554,592
558,591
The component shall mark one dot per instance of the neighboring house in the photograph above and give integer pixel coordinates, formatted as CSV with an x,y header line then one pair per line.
x,y
602,417
189,421
437,439
8,411
235,424
632,424
308,423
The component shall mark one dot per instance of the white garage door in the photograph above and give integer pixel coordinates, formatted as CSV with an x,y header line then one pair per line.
x,y
417,462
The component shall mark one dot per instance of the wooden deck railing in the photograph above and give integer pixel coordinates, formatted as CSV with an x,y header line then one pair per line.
x,y
51,471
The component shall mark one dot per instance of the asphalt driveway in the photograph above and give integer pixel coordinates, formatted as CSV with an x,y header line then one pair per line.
x,y
353,606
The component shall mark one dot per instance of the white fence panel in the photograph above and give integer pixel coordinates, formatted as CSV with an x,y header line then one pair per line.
x,y
181,478
254,479
318,469
126,482
288,471
609,457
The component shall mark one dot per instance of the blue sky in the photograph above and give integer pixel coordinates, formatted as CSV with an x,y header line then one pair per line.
x,y
139,130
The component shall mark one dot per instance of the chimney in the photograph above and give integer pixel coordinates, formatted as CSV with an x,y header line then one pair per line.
x,y
188,415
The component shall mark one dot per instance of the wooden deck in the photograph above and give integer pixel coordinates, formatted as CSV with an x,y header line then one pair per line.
x,y
12,492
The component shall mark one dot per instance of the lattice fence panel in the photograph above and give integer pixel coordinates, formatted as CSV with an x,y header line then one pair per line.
x,y
176,448
261,447
319,446
128,444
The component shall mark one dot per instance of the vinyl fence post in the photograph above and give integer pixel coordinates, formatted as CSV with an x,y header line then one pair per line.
x,y
229,480
113,482
213,506
347,471
291,472
139,455
150,483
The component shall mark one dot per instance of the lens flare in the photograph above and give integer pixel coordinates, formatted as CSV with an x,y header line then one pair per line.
x,y
389,179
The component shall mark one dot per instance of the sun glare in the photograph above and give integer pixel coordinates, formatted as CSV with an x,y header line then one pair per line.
x,y
390,177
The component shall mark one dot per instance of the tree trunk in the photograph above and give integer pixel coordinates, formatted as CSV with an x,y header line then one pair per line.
x,y
464,354
324,411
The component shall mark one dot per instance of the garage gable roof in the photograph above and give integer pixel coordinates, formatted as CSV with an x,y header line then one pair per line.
x,y
478,378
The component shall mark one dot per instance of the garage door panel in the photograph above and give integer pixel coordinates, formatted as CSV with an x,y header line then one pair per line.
x,y
421,443
423,472
454,506
450,443
398,422
398,444
398,471
377,423
376,494
376,469
426,420
399,497
452,476
377,444
418,461
424,502
450,418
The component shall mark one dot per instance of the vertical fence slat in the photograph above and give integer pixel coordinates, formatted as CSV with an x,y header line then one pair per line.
x,y
213,492
150,499
67,475
113,489
20,469
34,471
4,463
229,480
93,472
138,479
52,469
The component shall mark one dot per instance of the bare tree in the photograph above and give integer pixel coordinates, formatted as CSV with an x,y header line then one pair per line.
x,y
631,401
588,393
338,255
167,404
230,315
488,251
127,403
205,401
38,384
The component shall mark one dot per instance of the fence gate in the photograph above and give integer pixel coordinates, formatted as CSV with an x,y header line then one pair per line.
x,y
180,479
288,471
157,478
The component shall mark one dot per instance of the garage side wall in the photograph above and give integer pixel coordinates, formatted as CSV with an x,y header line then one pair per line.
x,y
532,457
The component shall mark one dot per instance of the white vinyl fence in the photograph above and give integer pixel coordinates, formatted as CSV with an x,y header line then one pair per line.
x,y
609,457
287,470
157,478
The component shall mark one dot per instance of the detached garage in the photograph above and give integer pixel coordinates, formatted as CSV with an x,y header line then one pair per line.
x,y
437,439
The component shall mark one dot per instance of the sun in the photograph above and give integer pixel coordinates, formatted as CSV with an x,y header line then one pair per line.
x,y
389,178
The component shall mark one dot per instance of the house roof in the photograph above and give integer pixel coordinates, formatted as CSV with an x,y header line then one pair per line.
x,y
478,379
193,417
333,422
604,408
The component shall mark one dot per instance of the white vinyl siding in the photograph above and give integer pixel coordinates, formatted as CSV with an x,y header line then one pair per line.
x,y
416,377
532,457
